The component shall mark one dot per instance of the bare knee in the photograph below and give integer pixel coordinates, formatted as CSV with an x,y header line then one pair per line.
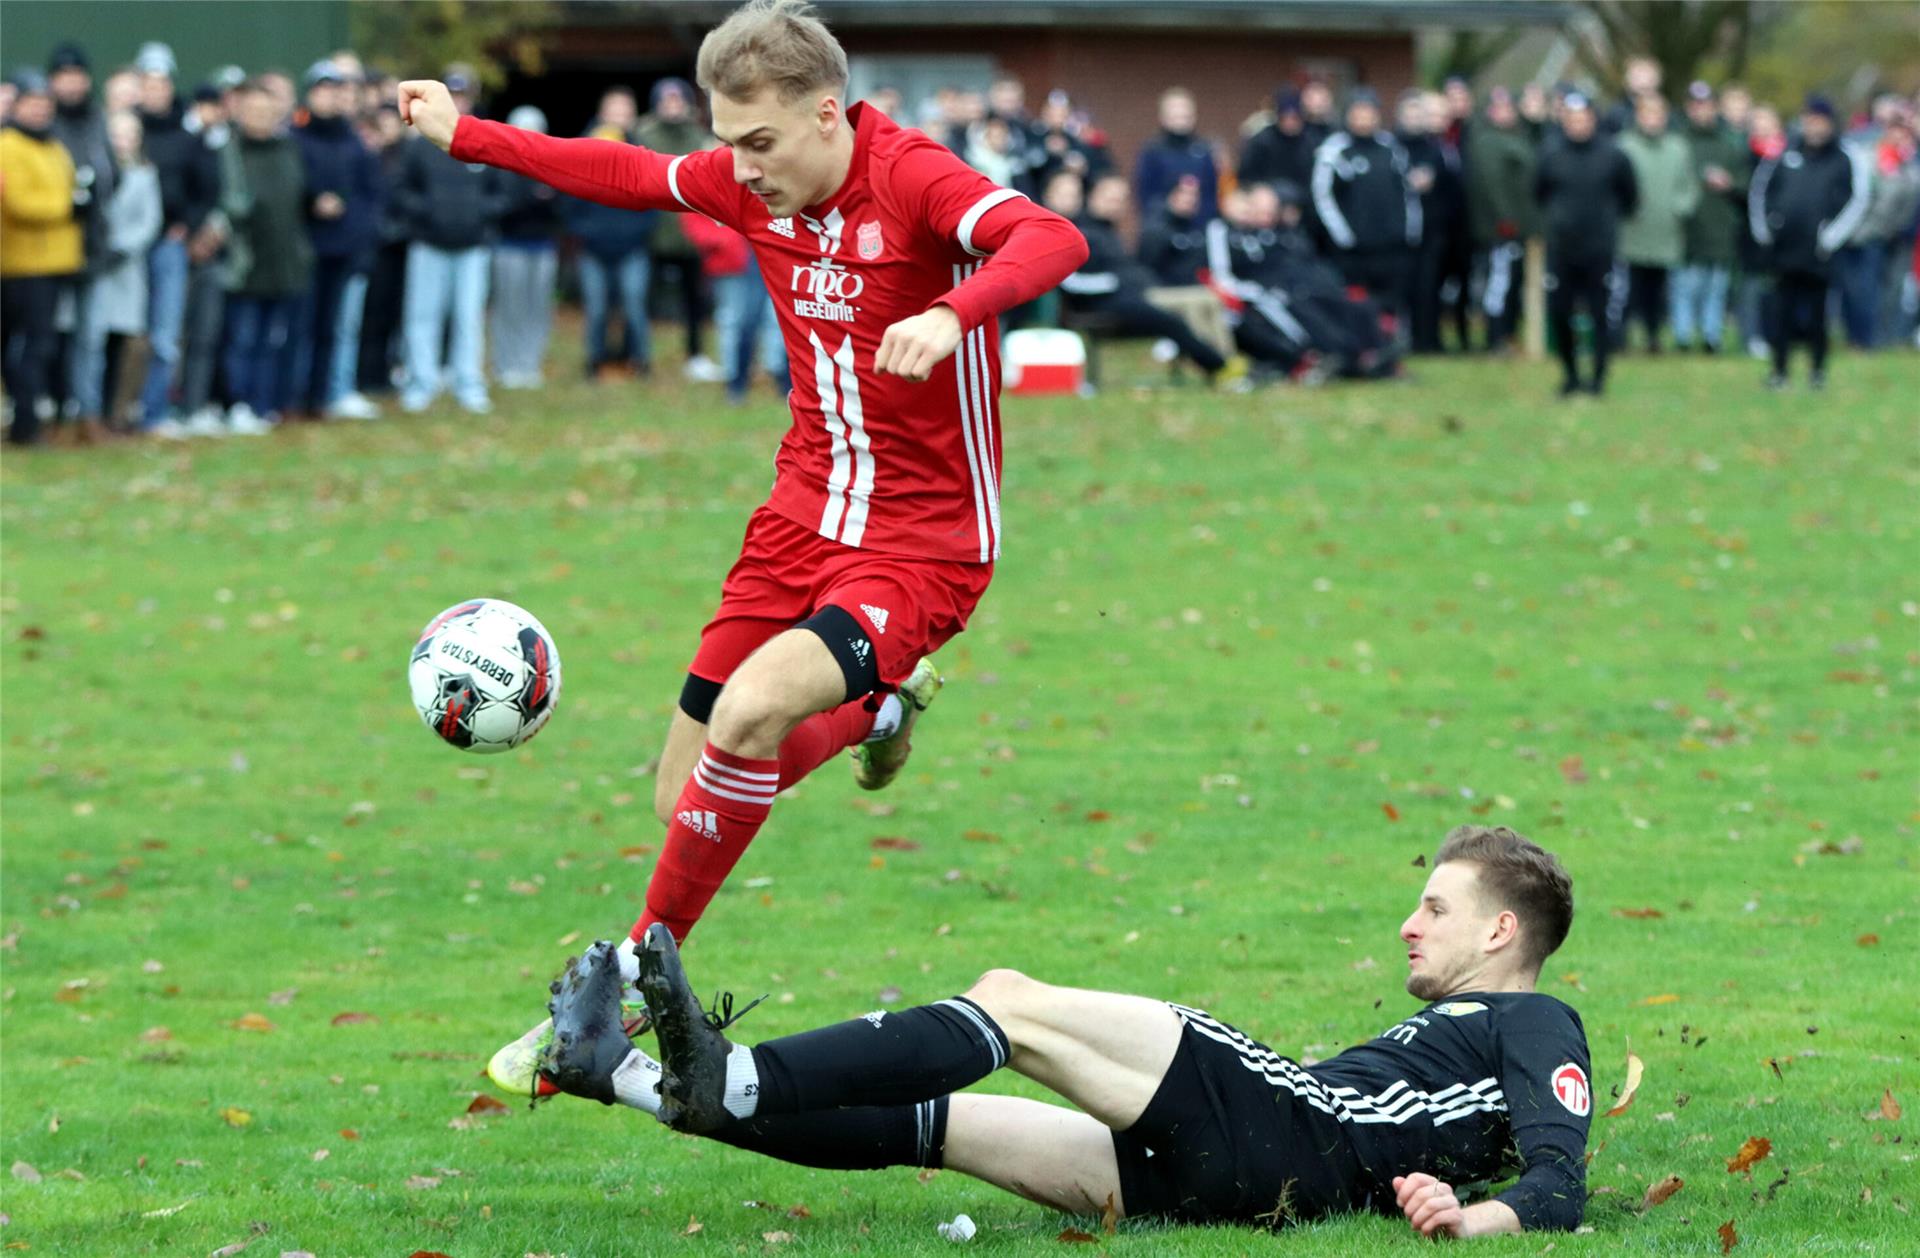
x,y
751,719
1004,994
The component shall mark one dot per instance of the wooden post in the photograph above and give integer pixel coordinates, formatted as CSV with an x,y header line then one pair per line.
x,y
1534,303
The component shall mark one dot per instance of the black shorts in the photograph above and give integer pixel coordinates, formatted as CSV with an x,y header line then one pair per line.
x,y
1228,1139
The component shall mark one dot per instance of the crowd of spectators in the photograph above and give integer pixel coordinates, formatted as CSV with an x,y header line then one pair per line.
x,y
1338,240
216,261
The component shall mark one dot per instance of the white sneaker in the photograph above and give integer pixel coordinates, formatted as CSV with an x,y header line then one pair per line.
x,y
204,423
242,422
703,370
477,405
353,405
167,430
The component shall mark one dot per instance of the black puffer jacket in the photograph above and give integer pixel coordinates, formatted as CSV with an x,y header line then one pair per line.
x,y
446,203
189,171
1805,203
1584,190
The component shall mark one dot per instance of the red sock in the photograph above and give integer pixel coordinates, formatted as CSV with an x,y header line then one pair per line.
x,y
720,810
822,736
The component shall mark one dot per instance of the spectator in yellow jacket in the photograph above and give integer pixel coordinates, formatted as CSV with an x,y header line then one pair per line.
x,y
39,249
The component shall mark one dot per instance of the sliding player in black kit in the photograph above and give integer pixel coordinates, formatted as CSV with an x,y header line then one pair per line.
x,y
1180,1116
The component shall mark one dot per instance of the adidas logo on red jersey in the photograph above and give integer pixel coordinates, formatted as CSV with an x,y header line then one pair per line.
x,y
878,615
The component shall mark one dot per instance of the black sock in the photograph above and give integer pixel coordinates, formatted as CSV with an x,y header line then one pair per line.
x,y
882,1059
862,1138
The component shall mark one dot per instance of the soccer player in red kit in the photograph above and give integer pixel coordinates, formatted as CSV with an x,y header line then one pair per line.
x,y
887,259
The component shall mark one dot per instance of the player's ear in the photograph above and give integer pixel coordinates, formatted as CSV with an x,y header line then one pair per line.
x,y
828,114
1505,929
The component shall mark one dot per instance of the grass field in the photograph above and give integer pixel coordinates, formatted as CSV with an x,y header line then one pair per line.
x,y
1245,660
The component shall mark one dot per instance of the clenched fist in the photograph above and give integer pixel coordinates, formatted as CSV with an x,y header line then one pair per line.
x,y
912,347
428,107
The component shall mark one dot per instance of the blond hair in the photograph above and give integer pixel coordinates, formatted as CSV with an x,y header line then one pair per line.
x,y
777,43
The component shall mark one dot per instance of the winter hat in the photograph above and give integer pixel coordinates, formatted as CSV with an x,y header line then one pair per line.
x,y
68,56
155,57
1576,100
528,118
669,84
1286,101
1818,104
322,71
1699,89
27,81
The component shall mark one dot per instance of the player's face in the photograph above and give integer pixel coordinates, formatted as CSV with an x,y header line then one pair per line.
x,y
782,153
1444,936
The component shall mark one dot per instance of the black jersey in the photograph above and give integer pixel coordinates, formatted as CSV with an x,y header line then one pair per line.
x,y
1470,1089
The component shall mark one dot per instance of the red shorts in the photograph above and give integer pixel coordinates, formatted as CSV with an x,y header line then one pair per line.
x,y
786,572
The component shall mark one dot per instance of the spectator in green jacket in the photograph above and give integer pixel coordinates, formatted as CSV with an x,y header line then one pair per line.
x,y
1499,161
1653,240
265,201
1721,164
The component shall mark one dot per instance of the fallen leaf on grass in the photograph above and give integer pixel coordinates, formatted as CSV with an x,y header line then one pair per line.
x,y
1635,1068
420,1183
53,1125
321,1155
567,940
893,843
1664,998
799,1211
350,1018
776,1238
25,1171
1868,940
253,1022
167,1212
348,1133
1728,1237
427,1253
1889,1108
484,1104
1638,914
693,1228
1661,1191
155,1035
1574,770
284,996
1393,814
1109,1217
234,1116
1754,1150
228,1251
1074,1236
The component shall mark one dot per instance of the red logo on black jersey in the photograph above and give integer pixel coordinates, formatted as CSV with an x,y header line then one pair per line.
x,y
1571,1090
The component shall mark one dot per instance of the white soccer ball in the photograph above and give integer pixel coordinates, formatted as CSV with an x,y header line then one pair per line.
x,y
485,675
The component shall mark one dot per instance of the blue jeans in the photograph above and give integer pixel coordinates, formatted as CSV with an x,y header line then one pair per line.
x,y
346,339
259,338
166,312
743,319
443,284
1856,273
633,274
1698,300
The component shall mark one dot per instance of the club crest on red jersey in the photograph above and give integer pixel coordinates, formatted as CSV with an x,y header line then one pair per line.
x,y
868,239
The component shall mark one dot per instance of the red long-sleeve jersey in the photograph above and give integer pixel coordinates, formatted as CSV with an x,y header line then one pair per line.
x,y
870,460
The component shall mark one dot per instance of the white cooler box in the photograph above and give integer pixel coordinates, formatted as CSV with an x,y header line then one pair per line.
x,y
1036,361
